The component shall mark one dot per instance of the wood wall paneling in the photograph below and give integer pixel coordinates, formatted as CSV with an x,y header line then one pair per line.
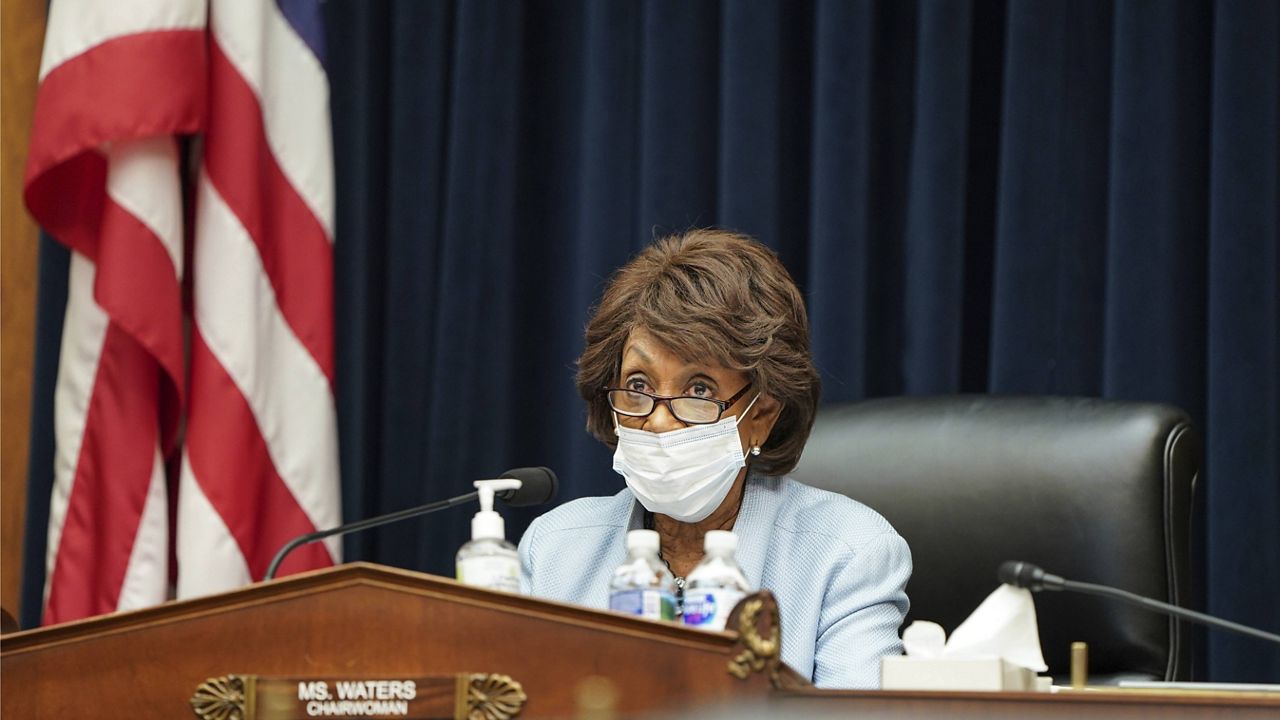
x,y
21,38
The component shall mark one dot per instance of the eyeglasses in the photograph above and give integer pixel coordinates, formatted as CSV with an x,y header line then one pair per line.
x,y
686,408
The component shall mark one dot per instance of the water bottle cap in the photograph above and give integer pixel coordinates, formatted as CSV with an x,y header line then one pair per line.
x,y
646,540
721,542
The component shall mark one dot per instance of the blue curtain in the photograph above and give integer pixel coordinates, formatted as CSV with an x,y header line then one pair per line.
x,y
1075,198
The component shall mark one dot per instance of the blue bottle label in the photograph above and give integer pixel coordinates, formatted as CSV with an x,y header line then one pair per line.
x,y
709,608
648,603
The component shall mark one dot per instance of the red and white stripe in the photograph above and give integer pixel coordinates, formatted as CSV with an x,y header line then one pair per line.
x,y
102,177
260,464
120,82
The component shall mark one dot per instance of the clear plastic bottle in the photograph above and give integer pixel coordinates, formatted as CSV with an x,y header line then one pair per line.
x,y
643,585
488,560
716,585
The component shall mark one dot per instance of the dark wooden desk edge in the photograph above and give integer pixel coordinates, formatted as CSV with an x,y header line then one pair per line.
x,y
1089,697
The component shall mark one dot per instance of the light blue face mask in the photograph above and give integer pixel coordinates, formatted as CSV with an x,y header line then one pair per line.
x,y
684,474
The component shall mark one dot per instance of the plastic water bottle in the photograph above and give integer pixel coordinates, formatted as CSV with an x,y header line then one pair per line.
x,y
716,585
488,560
643,585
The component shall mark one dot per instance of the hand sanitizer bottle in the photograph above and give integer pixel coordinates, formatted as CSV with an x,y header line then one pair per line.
x,y
716,585
488,560
643,585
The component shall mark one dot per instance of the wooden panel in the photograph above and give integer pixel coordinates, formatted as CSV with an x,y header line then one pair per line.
x,y
362,621
367,622
21,37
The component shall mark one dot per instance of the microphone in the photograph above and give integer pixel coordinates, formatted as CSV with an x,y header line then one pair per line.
x,y
537,485
1025,575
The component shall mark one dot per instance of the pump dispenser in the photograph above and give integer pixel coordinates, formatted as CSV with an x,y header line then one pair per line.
x,y
488,560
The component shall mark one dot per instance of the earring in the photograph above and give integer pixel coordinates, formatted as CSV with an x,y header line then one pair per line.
x,y
755,450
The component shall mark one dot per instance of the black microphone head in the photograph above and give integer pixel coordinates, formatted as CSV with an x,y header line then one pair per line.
x,y
1021,574
537,486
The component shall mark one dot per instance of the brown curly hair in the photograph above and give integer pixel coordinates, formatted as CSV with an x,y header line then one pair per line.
x,y
711,296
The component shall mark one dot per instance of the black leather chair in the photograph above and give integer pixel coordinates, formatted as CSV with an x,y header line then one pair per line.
x,y
1088,489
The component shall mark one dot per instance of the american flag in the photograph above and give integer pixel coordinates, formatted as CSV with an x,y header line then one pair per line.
x,y
234,393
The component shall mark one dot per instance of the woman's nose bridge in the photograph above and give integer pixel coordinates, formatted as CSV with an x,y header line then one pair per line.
x,y
661,418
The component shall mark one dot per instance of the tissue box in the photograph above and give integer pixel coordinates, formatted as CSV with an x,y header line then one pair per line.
x,y
911,673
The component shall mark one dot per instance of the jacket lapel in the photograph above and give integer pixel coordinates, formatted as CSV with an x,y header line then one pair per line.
x,y
754,526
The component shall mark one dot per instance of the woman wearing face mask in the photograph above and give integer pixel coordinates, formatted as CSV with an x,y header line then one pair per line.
x,y
697,372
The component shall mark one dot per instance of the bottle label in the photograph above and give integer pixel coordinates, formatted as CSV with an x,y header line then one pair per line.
x,y
652,604
494,573
709,608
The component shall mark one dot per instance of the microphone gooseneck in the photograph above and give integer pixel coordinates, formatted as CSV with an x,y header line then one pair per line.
x,y
364,525
1032,577
537,485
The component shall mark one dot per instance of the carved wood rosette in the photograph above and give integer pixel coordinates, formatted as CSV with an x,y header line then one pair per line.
x,y
488,696
230,697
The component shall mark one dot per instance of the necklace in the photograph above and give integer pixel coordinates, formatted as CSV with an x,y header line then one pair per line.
x,y
648,525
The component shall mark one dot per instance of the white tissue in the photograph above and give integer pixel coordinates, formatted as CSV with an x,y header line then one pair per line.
x,y
1003,626
924,639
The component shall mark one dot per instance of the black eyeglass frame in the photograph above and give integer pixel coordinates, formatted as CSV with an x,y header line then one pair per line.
x,y
723,404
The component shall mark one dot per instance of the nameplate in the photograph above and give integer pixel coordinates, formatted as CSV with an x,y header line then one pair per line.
x,y
255,697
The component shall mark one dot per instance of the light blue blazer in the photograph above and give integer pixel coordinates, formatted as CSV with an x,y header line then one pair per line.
x,y
837,569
